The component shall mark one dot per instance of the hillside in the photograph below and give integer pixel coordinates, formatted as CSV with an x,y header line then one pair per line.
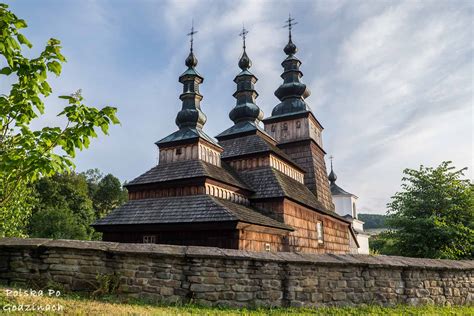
x,y
373,220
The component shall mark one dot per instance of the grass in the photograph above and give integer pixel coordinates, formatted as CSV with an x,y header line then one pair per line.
x,y
81,304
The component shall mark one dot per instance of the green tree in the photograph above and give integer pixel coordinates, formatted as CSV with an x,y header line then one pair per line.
x,y
383,243
25,154
433,216
109,195
106,192
93,177
63,209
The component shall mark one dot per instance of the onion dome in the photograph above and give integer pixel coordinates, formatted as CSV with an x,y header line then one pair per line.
x,y
335,189
332,176
190,118
245,63
246,115
191,61
292,92
290,48
191,114
245,108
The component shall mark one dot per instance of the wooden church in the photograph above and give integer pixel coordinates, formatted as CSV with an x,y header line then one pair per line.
x,y
256,189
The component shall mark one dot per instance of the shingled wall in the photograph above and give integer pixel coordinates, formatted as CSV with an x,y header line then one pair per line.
x,y
215,276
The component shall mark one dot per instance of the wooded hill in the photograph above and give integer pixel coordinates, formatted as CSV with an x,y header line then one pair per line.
x,y
373,220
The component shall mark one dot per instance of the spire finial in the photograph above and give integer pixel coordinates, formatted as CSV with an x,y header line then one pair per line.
x,y
332,176
191,61
191,35
243,34
244,62
289,24
290,48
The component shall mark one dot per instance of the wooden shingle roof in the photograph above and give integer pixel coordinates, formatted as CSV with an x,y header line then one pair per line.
x,y
185,209
252,144
268,182
186,170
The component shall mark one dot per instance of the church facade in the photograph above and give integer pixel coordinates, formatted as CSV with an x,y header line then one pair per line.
x,y
255,189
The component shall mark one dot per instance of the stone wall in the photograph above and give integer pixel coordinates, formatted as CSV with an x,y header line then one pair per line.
x,y
216,276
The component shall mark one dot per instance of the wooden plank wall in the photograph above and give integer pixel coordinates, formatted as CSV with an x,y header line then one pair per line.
x,y
209,238
198,150
260,238
305,239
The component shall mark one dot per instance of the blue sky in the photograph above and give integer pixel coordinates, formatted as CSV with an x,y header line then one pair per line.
x,y
391,81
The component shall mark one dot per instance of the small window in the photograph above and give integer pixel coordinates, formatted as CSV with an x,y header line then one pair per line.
x,y
320,232
284,126
149,239
273,127
298,124
267,247
179,151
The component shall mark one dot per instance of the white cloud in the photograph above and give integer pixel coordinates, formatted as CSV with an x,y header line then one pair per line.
x,y
407,84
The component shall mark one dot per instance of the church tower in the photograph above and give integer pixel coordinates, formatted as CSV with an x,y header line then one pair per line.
x,y
190,142
295,127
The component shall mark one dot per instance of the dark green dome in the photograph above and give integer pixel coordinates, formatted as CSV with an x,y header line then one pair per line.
x,y
292,92
245,108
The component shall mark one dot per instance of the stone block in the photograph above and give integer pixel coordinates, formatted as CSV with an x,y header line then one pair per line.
x,y
339,296
243,296
422,293
63,267
456,292
166,291
202,288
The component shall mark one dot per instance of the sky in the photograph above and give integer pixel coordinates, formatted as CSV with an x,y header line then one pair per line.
x,y
391,81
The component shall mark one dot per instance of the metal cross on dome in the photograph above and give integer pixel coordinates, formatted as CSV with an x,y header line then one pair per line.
x,y
289,24
191,34
331,158
243,34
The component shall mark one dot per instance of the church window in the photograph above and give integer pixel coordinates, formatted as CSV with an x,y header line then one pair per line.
x,y
273,127
267,247
298,124
149,239
284,126
320,233
179,151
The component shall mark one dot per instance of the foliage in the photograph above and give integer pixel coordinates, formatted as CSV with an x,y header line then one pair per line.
x,y
13,221
106,192
107,284
373,220
66,207
383,243
25,154
80,304
433,217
